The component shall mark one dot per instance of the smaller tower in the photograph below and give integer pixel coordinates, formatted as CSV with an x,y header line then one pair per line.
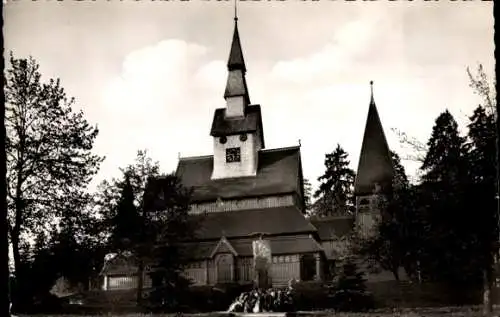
x,y
373,184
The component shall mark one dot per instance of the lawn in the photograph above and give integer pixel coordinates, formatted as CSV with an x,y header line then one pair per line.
x,y
466,311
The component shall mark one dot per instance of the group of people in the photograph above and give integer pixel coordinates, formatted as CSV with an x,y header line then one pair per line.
x,y
259,300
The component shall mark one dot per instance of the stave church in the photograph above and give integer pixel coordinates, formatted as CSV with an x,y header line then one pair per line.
x,y
244,192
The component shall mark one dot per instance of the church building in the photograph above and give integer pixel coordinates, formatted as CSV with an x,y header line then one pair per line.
x,y
244,191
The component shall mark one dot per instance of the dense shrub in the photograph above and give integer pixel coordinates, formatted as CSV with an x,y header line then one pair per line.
x,y
348,292
310,295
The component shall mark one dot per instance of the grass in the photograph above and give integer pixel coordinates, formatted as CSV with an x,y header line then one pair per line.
x,y
465,311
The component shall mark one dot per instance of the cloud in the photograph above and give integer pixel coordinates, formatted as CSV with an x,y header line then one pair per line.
x,y
160,101
347,44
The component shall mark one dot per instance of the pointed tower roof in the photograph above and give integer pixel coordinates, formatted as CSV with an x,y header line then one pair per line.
x,y
375,163
236,82
236,60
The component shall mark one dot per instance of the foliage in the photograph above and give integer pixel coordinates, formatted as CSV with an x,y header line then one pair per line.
x,y
166,226
49,155
450,253
482,87
107,199
335,194
307,195
126,221
393,244
415,145
349,291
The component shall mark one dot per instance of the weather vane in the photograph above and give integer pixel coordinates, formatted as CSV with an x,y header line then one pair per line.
x,y
235,10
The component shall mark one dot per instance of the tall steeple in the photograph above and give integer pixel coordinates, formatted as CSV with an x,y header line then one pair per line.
x,y
375,169
236,60
237,129
236,93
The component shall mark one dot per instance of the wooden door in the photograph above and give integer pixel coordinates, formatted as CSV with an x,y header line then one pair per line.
x,y
225,267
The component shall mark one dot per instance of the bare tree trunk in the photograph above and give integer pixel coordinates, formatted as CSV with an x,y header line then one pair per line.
x,y
15,238
5,309
140,281
395,273
487,291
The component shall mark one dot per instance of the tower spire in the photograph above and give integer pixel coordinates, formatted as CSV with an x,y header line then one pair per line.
x,y
235,10
372,100
236,60
236,83
375,164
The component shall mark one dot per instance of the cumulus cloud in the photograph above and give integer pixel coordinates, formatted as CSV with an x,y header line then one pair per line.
x,y
160,101
346,44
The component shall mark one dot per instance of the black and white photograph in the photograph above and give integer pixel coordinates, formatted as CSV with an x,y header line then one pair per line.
x,y
237,158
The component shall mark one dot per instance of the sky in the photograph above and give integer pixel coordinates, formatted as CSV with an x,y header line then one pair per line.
x,y
151,73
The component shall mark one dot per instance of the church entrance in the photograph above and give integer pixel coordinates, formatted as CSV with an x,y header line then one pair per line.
x,y
307,267
225,268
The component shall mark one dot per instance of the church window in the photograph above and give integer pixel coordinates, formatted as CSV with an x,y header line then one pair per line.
x,y
233,155
222,140
243,137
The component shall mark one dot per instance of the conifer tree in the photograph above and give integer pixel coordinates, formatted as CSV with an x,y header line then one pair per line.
x,y
126,222
448,248
335,193
167,225
483,188
349,292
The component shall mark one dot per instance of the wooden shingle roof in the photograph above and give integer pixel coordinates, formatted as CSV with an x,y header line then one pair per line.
x,y
236,60
278,173
245,223
243,247
375,163
251,122
330,228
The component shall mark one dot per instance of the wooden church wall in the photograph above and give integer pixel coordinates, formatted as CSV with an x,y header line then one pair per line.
x,y
283,268
245,204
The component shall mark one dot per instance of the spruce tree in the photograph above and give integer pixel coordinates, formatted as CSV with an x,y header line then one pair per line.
x,y
126,220
448,245
167,226
335,193
483,226
349,292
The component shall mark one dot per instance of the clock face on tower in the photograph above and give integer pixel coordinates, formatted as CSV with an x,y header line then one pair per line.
x,y
233,155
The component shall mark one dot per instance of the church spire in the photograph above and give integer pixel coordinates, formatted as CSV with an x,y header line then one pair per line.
x,y
236,86
372,100
375,164
236,60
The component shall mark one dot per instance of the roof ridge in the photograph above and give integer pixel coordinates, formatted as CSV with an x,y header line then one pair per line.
x,y
198,157
327,218
292,147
